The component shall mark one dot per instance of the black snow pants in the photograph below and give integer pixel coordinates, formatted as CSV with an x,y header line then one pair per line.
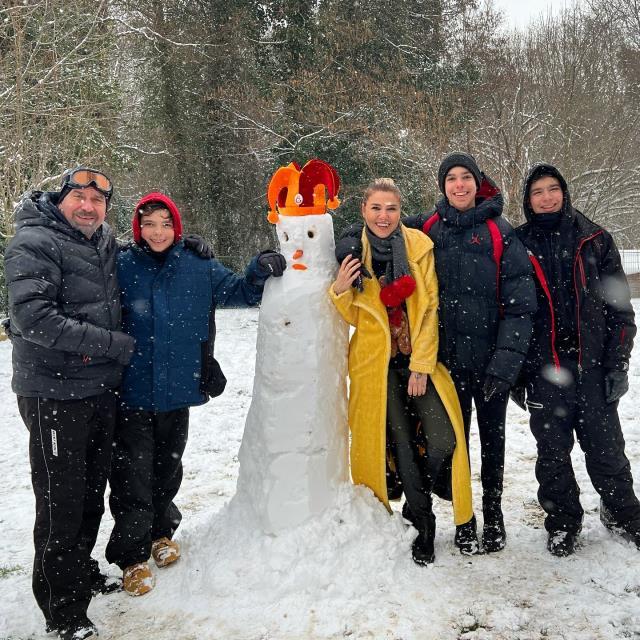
x,y
557,411
418,473
70,444
491,417
146,476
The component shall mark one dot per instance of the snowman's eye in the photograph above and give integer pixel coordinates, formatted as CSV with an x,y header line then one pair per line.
x,y
286,236
310,233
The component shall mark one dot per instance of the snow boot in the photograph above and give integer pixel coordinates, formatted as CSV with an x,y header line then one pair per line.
x,y
466,538
78,631
138,579
562,543
494,536
165,551
630,531
422,550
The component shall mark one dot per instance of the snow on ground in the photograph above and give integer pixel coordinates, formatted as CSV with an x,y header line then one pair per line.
x,y
348,575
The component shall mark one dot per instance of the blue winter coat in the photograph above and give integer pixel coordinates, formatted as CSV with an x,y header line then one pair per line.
x,y
166,307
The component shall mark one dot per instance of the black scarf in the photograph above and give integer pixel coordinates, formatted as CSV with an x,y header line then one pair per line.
x,y
390,250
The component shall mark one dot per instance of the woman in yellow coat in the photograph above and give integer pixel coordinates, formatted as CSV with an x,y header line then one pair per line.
x,y
395,379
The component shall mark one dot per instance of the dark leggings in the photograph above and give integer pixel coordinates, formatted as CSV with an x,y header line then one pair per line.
x,y
418,473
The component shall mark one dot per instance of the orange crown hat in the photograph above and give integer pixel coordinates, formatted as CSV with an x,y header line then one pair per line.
x,y
303,192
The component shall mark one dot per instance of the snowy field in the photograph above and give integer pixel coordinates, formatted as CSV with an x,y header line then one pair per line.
x,y
349,575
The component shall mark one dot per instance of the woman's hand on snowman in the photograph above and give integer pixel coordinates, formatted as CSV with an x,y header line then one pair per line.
x,y
352,245
417,384
348,272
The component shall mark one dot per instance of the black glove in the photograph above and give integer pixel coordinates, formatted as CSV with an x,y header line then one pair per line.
x,y
198,245
616,384
121,247
518,394
272,262
352,245
493,386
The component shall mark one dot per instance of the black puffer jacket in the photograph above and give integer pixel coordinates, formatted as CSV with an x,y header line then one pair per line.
x,y
64,305
483,327
602,318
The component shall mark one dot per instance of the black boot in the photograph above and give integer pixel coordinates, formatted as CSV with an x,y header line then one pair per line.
x,y
562,543
422,549
494,536
629,531
466,538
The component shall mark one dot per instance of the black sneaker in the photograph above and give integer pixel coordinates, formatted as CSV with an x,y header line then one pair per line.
x,y
103,584
562,543
78,631
466,538
494,536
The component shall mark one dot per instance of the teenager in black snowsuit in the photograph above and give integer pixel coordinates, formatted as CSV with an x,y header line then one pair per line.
x,y
576,369
486,297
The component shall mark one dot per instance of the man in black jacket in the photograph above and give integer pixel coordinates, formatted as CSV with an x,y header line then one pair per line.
x,y
68,355
576,369
486,296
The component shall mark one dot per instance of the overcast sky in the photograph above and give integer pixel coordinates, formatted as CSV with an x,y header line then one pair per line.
x,y
519,12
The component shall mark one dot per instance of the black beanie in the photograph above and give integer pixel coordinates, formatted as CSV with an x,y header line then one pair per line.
x,y
458,159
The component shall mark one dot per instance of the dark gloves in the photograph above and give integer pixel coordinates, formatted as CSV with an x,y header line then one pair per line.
x,y
616,384
351,245
518,394
121,247
493,386
121,347
198,245
272,262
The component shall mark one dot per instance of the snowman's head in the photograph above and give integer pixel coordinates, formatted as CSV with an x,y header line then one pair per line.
x,y
307,242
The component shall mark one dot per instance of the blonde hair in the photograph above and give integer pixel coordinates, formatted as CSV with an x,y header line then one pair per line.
x,y
381,184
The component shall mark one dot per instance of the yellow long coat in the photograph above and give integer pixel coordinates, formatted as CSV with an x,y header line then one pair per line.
x,y
369,352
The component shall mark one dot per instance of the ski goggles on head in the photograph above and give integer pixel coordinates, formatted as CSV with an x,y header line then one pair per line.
x,y
81,177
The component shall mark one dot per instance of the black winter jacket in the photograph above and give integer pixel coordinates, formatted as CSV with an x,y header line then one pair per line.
x,y
484,327
603,317
64,305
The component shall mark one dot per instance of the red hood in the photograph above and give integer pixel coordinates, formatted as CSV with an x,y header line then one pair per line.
x,y
156,196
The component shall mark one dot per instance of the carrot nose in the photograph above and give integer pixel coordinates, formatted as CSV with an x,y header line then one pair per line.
x,y
297,254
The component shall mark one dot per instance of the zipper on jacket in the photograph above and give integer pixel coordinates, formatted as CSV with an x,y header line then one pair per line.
x,y
578,261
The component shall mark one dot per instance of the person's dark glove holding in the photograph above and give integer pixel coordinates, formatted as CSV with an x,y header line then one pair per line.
x,y
616,384
352,245
494,386
518,394
198,245
272,262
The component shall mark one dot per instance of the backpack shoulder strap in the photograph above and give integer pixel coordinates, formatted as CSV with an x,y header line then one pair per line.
x,y
498,247
431,220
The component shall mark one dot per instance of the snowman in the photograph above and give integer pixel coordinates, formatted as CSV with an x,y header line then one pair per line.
x,y
293,455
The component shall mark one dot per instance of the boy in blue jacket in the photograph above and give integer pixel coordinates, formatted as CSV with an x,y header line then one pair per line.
x,y
169,295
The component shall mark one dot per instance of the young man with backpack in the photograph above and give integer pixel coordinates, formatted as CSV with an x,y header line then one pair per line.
x,y
576,369
486,296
